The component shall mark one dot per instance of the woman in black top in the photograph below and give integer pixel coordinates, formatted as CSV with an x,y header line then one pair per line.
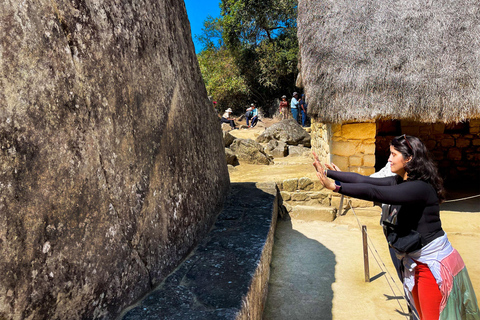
x,y
435,276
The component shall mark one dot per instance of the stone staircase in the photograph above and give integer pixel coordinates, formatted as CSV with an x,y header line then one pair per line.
x,y
304,199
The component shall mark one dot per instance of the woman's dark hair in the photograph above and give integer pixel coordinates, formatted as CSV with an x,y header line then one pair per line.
x,y
421,165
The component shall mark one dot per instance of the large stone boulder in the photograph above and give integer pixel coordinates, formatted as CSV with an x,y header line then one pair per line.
x,y
227,139
105,184
288,131
276,149
249,151
231,157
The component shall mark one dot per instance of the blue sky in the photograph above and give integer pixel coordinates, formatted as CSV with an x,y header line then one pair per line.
x,y
198,11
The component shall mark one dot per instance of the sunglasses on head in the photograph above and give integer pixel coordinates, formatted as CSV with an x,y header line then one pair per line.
x,y
408,143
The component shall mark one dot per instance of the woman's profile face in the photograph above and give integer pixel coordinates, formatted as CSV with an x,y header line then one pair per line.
x,y
397,161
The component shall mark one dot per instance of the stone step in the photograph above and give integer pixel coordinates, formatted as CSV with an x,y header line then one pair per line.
x,y
310,213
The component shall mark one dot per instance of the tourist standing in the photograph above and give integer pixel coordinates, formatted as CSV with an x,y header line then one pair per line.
x,y
303,109
435,277
284,107
294,106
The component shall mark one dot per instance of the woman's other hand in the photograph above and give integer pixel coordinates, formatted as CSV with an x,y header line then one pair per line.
x,y
332,166
326,182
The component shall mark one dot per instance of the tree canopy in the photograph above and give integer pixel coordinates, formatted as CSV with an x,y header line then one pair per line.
x,y
250,52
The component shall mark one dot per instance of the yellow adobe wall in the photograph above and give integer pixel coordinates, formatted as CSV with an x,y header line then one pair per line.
x,y
320,134
351,146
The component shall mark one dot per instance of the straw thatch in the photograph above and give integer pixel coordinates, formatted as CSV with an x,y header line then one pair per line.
x,y
397,59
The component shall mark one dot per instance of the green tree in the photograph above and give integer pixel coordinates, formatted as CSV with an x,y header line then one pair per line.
x,y
222,78
256,40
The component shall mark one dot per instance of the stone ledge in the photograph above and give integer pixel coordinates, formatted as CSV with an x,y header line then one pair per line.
x,y
226,277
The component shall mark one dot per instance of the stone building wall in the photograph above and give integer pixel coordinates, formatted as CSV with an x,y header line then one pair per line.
x,y
457,152
351,146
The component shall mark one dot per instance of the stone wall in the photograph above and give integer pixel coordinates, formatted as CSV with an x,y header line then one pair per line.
x,y
111,167
320,139
351,146
457,152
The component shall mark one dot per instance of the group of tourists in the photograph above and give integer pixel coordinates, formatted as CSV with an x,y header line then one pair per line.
x,y
435,279
251,117
296,105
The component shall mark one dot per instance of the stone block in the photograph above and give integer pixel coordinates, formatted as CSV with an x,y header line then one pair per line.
x,y
474,122
279,184
366,171
448,142
344,148
318,195
462,143
355,161
430,144
476,142
474,130
336,130
359,131
299,196
290,185
341,162
411,130
369,160
366,148
357,203
335,201
326,201
288,206
226,127
425,129
454,154
313,213
305,183
286,196
317,185
438,127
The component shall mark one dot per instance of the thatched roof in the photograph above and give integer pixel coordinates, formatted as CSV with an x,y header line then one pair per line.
x,y
396,59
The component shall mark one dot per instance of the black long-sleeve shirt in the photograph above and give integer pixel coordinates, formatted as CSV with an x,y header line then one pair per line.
x,y
416,201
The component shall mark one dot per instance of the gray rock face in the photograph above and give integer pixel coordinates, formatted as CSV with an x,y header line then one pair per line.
x,y
299,151
231,157
249,151
227,139
105,185
288,131
276,149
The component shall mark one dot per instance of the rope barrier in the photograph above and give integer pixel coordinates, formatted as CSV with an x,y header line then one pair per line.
x,y
375,254
462,199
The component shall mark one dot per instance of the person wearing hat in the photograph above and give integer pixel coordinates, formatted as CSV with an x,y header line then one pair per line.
x,y
294,106
284,107
227,119
252,112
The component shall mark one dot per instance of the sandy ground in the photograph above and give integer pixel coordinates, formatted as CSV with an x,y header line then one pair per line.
x,y
317,269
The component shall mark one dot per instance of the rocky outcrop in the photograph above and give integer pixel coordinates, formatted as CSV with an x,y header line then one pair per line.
x,y
276,149
288,131
249,151
231,157
227,139
103,191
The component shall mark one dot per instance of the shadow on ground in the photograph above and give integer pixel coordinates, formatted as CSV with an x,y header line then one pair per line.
x,y
301,278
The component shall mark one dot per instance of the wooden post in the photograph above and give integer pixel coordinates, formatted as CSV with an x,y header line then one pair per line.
x,y
340,207
365,254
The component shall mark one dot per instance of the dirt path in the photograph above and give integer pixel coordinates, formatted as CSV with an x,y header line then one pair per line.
x,y
317,267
